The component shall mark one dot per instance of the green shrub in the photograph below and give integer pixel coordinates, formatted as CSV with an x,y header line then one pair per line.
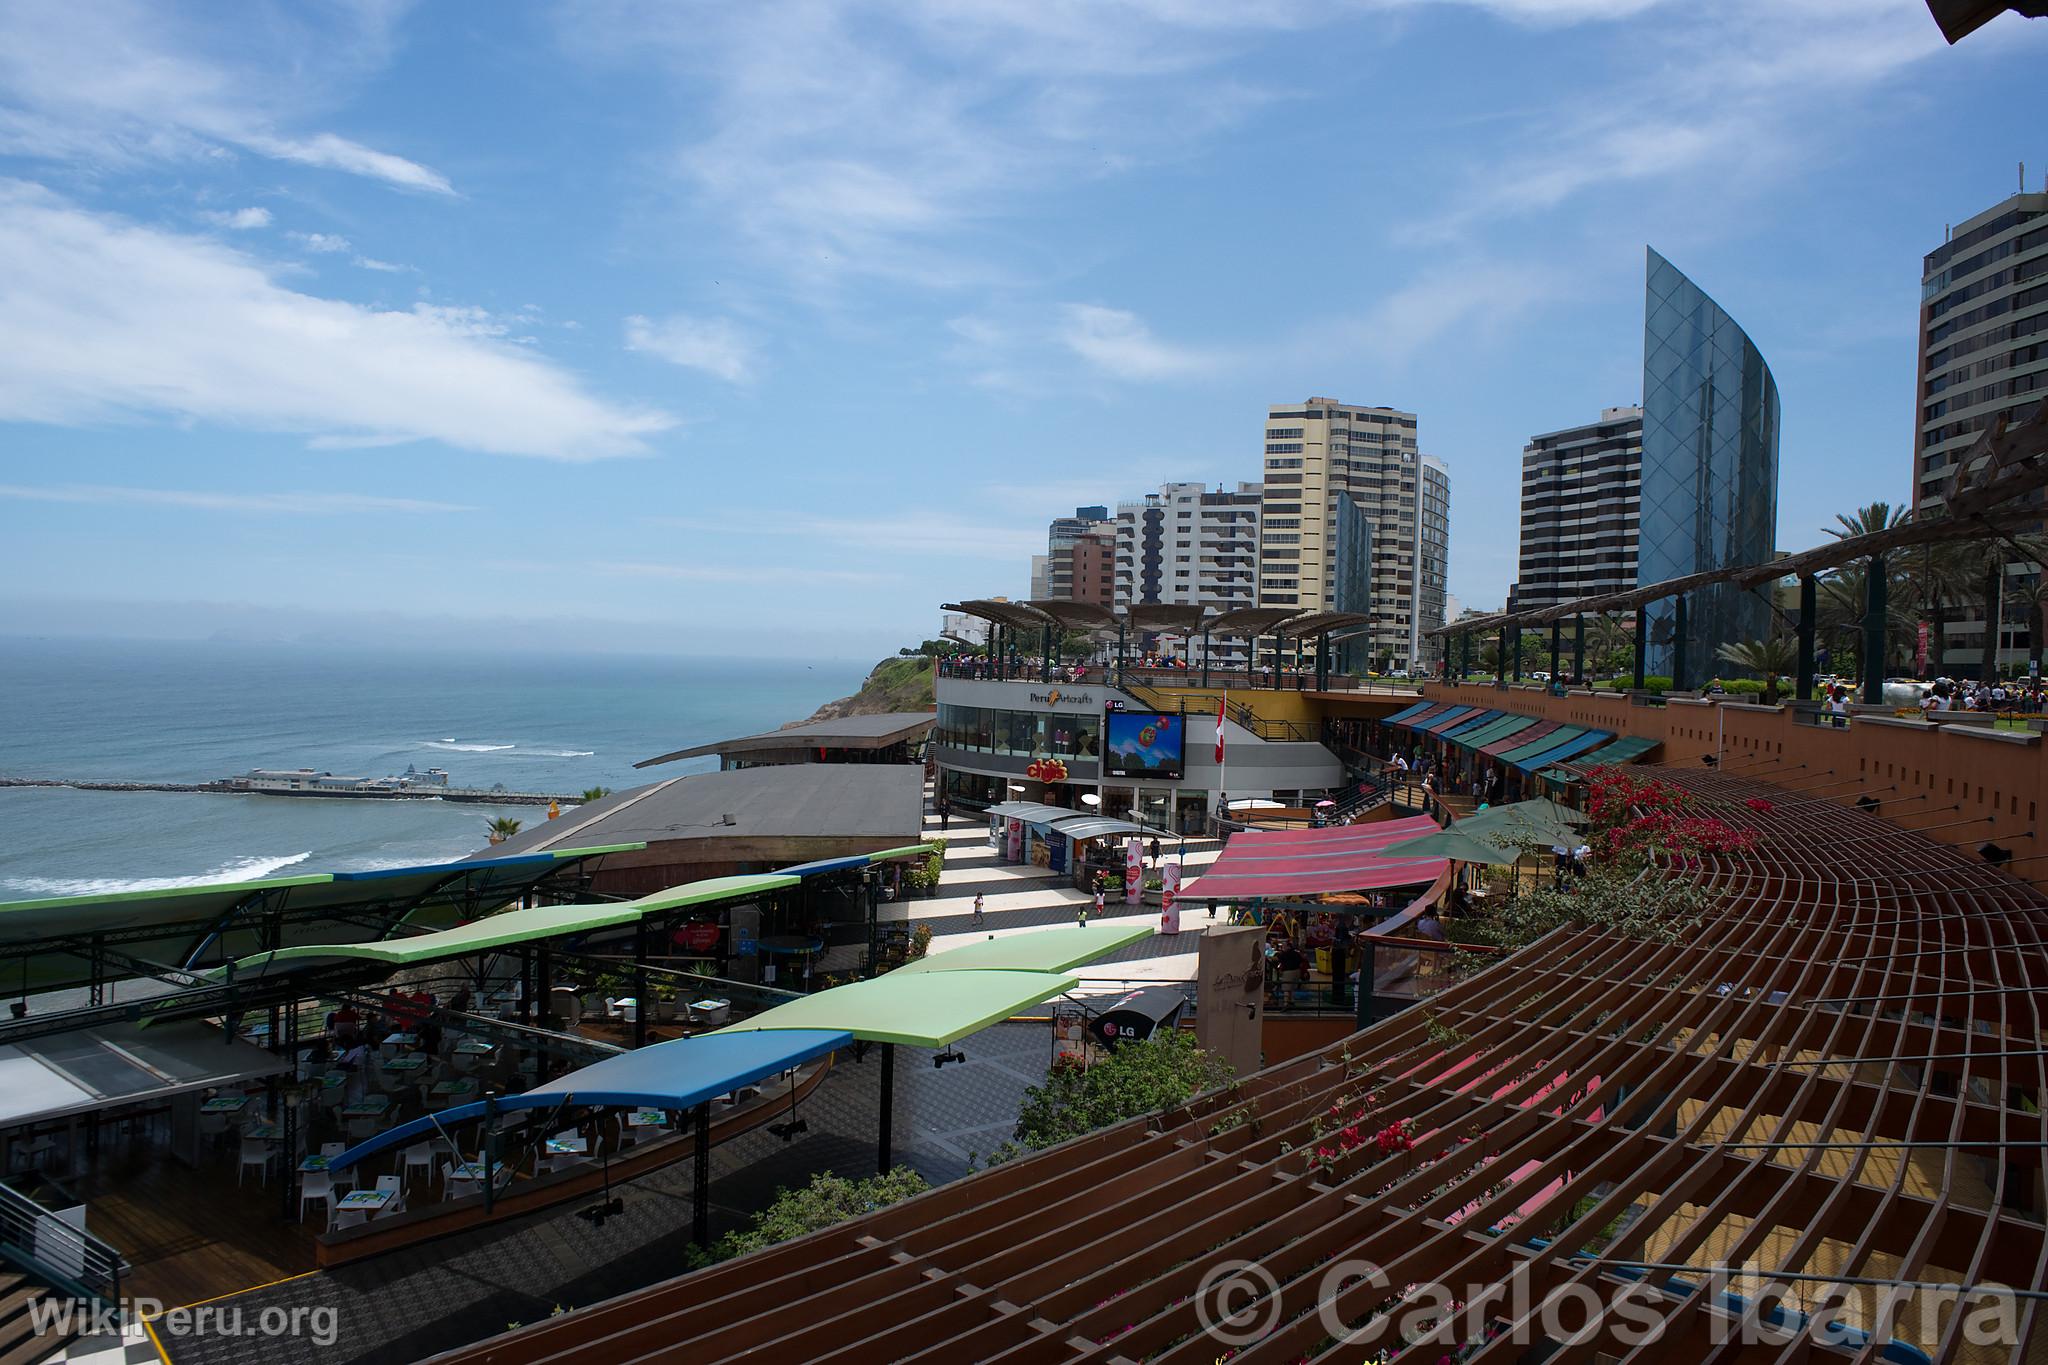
x,y
1135,1079
828,1200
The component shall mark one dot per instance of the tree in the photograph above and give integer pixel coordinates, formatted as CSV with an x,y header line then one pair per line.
x,y
502,828
1867,520
1134,1079
591,794
1769,659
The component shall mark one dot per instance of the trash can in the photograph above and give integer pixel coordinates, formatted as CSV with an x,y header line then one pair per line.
x,y
1138,1016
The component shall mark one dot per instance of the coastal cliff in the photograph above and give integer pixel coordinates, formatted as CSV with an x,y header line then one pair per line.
x,y
900,684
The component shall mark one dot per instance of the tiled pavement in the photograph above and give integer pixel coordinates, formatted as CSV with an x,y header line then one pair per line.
x,y
431,1298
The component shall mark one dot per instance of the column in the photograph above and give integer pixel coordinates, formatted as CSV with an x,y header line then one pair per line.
x,y
1642,646
1579,648
1680,626
1808,610
1876,604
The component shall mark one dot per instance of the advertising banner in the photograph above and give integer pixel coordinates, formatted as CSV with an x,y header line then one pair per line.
x,y
1169,891
1134,871
1016,849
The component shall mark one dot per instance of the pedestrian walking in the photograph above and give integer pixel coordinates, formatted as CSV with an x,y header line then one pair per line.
x,y
1082,911
977,910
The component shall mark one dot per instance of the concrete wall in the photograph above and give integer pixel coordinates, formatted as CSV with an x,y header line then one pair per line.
x,y
1973,784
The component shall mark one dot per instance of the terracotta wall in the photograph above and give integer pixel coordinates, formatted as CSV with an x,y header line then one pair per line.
x,y
1961,784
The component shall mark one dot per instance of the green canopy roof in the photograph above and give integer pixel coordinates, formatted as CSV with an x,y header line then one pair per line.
x,y
907,851
1036,950
1493,730
918,1009
1537,818
712,889
1550,739
1455,845
496,931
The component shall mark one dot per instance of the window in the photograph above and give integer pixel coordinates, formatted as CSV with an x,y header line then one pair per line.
x,y
1283,433
1284,448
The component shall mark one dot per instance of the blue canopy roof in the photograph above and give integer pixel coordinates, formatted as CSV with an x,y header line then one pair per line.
x,y
677,1075
1577,744
822,866
1410,712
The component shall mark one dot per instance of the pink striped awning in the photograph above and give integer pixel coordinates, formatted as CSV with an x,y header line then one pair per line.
x,y
1308,862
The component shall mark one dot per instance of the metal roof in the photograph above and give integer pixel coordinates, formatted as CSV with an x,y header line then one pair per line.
x,y
1169,618
1033,812
918,1009
669,1076
1002,613
1095,826
877,731
1249,621
1072,615
1319,622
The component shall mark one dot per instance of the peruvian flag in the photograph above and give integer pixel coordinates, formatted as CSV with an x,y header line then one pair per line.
x,y
1220,703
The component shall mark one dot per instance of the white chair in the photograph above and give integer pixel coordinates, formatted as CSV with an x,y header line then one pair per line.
x,y
213,1126
316,1185
257,1153
346,1218
342,1180
420,1157
457,1185
395,1187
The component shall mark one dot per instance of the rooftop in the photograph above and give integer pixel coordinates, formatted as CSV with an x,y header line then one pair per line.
x,y
844,732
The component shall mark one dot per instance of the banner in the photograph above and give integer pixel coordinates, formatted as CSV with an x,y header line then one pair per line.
x,y
1134,871
1221,702
1169,889
1016,850
1920,650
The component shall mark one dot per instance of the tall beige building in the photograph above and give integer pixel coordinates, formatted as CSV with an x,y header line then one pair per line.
x,y
1343,525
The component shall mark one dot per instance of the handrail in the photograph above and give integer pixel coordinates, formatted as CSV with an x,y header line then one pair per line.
x,y
24,1226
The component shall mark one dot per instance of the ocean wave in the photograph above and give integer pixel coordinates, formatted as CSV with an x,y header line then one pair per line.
x,y
557,753
454,747
252,868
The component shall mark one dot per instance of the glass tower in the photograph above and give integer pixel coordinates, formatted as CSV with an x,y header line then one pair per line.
x,y
1710,468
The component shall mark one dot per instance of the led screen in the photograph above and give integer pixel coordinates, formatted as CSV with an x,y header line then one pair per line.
x,y
1143,746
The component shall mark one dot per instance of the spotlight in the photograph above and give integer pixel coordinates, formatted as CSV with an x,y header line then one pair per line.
x,y
597,1213
951,1054
1994,853
787,1131
1866,803
1709,760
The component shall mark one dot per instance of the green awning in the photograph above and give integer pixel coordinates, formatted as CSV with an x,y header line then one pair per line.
x,y
713,889
1036,950
1551,739
1628,749
1497,730
907,851
917,1009
497,931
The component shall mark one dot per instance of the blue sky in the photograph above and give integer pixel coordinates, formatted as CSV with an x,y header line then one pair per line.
x,y
764,328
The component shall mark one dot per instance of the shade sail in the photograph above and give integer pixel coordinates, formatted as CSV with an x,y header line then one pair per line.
x,y
677,1075
1456,846
918,1009
1512,740
498,931
1037,950
1472,724
714,889
1491,731
1627,749
1314,861
1536,741
1096,826
1558,752
1408,713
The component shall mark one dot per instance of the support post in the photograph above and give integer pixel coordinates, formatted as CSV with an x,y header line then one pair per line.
x,y
700,1176
885,1155
1518,653
1642,646
490,1146
642,1006
1323,662
1045,668
288,1115
1876,592
1119,678
1205,656
544,986
1681,626
1500,666
1366,968
1464,655
871,890
1808,611
1556,648
1579,650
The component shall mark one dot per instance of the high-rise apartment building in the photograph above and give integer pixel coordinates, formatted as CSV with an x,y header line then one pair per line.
x,y
1061,536
1432,562
1709,468
1983,335
1188,544
1983,355
1324,461
1582,493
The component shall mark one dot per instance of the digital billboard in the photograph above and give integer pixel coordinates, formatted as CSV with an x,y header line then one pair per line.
x,y
1138,745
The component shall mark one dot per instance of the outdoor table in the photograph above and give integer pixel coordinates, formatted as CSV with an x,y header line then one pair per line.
x,y
413,1062
369,1106
475,1047
263,1132
454,1087
363,1201
334,1080
468,1170
403,1039
225,1104
575,1146
314,1163
647,1118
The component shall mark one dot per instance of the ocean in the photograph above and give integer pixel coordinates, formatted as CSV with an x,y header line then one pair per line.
x,y
192,712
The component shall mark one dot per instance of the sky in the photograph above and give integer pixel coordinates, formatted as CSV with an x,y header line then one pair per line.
x,y
766,328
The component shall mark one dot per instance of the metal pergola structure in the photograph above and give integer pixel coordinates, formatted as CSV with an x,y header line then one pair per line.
x,y
1994,491
1834,1083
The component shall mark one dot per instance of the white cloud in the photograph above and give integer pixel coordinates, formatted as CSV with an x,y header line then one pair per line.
x,y
386,267
1120,345
125,81
240,220
324,242
712,345
101,319
268,504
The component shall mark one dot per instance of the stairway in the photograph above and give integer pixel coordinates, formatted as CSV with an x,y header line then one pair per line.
x,y
19,1344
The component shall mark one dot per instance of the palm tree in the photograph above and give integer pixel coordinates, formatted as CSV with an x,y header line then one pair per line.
x,y
1607,638
1989,559
591,794
1878,516
502,828
1769,659
1944,574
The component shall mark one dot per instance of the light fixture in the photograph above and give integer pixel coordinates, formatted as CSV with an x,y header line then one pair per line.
x,y
1994,853
787,1131
1866,803
951,1054
1090,799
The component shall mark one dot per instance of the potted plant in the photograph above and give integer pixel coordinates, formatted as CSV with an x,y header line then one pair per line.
x,y
502,828
1155,891
664,1000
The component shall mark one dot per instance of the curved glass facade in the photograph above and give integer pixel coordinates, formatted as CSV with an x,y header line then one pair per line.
x,y
1710,467
1023,734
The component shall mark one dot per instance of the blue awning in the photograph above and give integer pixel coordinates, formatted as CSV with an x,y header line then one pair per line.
x,y
1410,712
677,1075
824,865
1577,744
1483,716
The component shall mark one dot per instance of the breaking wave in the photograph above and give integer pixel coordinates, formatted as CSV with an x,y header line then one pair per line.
x,y
249,869
453,747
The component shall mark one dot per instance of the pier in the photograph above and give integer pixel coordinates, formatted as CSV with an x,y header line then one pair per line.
x,y
475,796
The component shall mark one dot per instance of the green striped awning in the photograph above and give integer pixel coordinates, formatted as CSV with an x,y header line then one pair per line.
x,y
1488,734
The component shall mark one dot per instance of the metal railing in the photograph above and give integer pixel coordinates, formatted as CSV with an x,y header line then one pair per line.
x,y
65,1257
